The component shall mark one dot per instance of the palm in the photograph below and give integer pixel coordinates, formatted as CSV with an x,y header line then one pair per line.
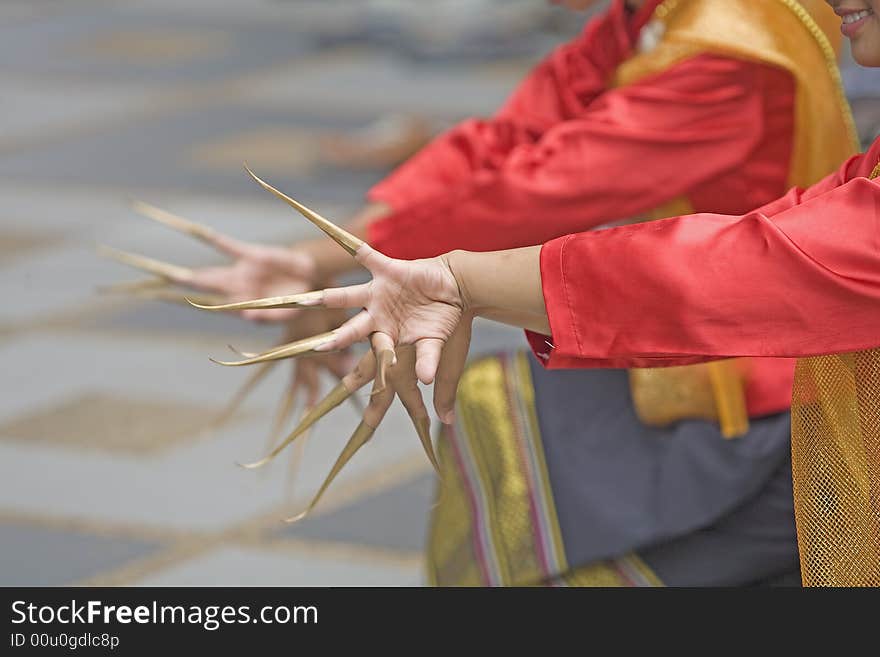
x,y
412,301
257,271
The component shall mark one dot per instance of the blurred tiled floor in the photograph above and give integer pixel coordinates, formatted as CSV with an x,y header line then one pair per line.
x,y
109,470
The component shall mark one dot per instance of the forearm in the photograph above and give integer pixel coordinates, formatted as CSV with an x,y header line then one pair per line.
x,y
504,286
589,171
788,282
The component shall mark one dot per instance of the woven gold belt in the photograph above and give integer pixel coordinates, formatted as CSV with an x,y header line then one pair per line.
x,y
709,391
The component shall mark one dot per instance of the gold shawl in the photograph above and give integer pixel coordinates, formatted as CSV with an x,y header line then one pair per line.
x,y
800,37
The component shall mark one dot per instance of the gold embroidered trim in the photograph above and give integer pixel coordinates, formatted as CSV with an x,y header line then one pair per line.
x,y
494,417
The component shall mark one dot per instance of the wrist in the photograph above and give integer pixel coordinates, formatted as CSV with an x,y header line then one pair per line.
x,y
460,266
504,286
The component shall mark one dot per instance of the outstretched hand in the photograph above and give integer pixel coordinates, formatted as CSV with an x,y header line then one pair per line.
x,y
418,324
406,303
253,270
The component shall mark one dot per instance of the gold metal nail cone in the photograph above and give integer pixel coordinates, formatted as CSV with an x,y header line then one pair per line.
x,y
304,300
151,265
386,358
282,348
423,429
291,350
298,451
360,436
242,393
174,221
357,403
342,237
133,286
175,296
285,410
239,352
331,400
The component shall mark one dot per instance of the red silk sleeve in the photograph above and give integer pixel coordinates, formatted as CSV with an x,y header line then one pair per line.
x,y
632,149
799,277
556,90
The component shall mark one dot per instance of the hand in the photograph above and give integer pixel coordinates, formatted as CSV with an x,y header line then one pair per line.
x,y
258,270
401,380
418,317
414,302
410,311
254,270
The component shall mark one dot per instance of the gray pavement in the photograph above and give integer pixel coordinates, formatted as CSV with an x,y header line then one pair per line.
x,y
109,472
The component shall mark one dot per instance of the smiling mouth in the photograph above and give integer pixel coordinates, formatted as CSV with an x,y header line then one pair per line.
x,y
856,16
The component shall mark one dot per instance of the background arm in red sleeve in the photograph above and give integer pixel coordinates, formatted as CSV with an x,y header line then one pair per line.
x,y
631,150
557,89
799,277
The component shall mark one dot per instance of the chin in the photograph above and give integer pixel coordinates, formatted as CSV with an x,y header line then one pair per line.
x,y
866,53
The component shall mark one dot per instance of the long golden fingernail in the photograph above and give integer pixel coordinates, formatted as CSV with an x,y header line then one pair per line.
x,y
360,436
385,360
304,300
175,296
334,398
423,429
151,265
339,235
133,286
174,221
292,350
241,394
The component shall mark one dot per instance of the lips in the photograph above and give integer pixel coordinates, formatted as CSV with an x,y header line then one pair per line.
x,y
853,20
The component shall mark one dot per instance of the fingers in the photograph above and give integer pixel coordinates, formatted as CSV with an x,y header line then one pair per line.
x,y
351,296
291,350
376,409
357,329
403,378
357,403
362,374
380,401
375,261
428,358
201,232
342,237
217,279
383,347
304,300
150,265
452,362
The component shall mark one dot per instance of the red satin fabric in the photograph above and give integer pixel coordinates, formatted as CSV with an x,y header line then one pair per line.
x,y
797,277
566,154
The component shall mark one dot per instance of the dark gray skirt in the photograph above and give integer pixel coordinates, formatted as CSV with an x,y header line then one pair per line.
x,y
550,477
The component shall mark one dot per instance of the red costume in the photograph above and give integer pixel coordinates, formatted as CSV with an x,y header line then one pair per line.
x,y
567,153
797,277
